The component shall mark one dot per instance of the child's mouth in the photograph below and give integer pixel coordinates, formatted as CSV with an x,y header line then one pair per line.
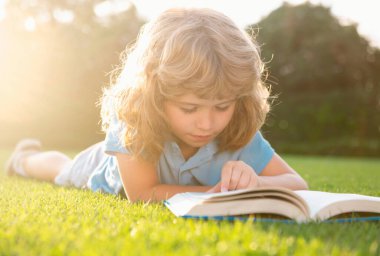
x,y
201,137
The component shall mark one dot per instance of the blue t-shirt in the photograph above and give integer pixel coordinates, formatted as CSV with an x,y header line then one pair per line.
x,y
203,168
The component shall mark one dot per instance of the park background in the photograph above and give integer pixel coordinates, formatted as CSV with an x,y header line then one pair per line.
x,y
56,56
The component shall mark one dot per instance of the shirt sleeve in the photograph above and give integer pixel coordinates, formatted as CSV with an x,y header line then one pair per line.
x,y
113,141
257,153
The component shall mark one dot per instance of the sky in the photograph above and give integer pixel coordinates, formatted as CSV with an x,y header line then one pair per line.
x,y
365,13
362,12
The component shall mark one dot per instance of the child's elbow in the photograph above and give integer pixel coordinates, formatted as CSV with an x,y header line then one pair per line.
x,y
134,199
138,198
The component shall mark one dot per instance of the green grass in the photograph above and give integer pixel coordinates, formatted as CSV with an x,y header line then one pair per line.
x,y
39,218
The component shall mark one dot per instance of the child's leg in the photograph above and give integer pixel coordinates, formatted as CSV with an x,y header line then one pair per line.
x,y
29,161
45,165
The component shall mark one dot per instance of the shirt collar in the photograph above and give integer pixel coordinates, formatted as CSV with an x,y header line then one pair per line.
x,y
204,154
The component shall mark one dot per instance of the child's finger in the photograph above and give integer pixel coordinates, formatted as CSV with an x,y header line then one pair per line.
x,y
235,178
226,177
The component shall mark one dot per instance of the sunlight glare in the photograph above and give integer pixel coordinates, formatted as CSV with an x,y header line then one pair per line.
x,y
63,16
2,13
110,7
30,24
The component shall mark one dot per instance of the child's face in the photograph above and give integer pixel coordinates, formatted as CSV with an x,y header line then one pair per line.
x,y
195,121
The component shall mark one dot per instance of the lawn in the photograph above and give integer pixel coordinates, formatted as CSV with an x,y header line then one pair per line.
x,y
38,218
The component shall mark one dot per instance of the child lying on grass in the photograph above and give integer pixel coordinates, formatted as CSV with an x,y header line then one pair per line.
x,y
183,115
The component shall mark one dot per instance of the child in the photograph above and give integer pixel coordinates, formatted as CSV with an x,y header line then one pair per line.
x,y
183,115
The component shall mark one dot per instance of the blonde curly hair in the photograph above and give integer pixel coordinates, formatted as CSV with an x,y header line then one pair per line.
x,y
198,51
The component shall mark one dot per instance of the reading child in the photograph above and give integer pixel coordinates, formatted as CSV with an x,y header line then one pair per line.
x,y
184,114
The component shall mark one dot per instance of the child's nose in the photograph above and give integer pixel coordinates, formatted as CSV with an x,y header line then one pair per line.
x,y
205,120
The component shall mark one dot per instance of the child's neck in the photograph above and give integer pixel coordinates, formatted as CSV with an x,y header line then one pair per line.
x,y
187,151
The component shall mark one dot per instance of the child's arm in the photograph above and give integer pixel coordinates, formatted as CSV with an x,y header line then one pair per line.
x,y
140,181
279,173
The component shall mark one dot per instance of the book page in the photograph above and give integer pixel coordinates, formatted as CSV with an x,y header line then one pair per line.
x,y
248,207
182,203
279,195
323,205
240,193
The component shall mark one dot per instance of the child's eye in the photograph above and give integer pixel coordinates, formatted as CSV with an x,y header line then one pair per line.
x,y
188,110
222,108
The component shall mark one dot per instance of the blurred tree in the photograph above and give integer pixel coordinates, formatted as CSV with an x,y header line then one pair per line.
x,y
55,58
311,50
327,79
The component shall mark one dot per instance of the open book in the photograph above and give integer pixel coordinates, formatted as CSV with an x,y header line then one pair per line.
x,y
276,203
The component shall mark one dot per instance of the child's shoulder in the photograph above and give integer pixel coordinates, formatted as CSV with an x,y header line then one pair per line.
x,y
257,144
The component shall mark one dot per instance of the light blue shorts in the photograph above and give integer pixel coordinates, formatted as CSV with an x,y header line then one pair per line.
x,y
78,171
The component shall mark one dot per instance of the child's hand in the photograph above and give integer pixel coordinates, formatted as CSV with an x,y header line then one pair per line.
x,y
236,175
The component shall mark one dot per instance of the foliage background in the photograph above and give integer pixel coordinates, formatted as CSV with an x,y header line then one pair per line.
x,y
325,75
327,80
